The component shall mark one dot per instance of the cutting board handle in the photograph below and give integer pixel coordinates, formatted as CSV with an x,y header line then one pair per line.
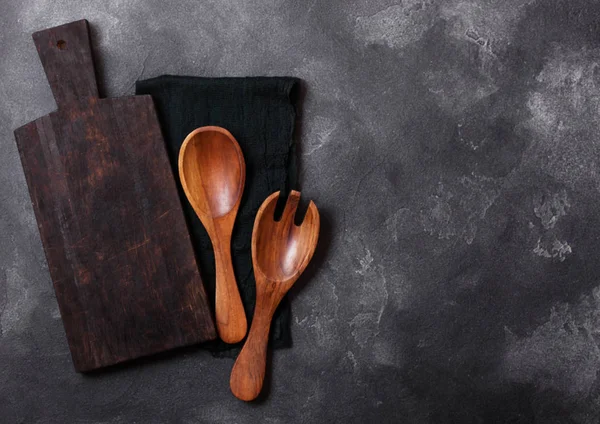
x,y
66,55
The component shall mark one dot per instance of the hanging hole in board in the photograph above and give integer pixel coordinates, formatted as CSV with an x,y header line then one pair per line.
x,y
61,44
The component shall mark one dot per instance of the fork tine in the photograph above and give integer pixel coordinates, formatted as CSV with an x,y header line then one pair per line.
x,y
291,205
312,214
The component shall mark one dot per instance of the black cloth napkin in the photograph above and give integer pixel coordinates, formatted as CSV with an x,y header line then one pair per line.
x,y
260,113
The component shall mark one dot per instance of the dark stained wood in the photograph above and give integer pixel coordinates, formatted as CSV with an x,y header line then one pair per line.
x,y
109,216
280,253
213,173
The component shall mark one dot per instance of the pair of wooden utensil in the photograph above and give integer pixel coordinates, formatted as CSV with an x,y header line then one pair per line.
x,y
213,173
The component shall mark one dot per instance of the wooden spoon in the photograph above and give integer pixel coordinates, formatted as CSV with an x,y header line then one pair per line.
x,y
281,251
213,173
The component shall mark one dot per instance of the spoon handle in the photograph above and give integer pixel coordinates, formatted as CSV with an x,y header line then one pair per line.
x,y
229,310
248,372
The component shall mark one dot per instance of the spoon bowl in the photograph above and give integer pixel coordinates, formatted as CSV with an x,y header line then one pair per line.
x,y
212,161
213,173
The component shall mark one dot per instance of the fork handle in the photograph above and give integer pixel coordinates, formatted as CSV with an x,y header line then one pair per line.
x,y
248,372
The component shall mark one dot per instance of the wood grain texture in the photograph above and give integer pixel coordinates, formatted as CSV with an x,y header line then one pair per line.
x,y
281,251
213,174
108,213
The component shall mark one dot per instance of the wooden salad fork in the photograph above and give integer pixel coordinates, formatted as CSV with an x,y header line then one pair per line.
x,y
281,250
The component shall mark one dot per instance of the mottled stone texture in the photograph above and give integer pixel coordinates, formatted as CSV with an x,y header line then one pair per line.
x,y
452,148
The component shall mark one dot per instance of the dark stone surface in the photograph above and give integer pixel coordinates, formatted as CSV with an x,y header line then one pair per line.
x,y
452,148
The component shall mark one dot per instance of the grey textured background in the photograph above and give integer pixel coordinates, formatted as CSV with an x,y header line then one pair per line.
x,y
452,147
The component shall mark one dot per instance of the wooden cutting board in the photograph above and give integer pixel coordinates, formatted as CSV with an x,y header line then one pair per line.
x,y
109,216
